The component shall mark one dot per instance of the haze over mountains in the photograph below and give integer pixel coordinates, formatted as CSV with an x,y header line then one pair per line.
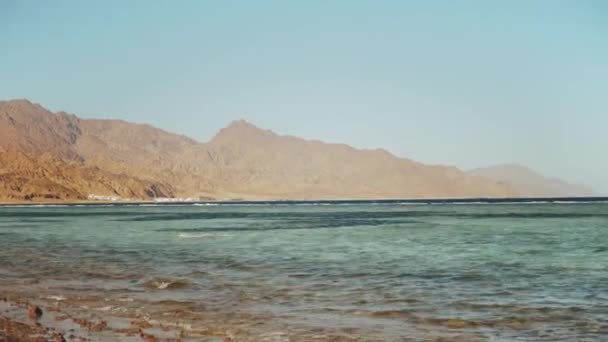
x,y
527,181
58,156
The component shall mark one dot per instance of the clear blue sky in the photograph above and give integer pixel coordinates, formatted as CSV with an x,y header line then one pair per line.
x,y
466,83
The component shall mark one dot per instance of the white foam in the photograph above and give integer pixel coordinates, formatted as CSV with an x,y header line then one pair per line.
x,y
105,308
97,197
47,205
199,235
162,284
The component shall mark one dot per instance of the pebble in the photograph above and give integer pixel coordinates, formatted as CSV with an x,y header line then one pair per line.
x,y
34,312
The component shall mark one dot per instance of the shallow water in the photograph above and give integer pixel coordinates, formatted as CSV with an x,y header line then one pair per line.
x,y
374,272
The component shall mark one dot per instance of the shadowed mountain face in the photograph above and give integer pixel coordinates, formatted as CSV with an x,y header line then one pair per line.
x,y
528,182
60,156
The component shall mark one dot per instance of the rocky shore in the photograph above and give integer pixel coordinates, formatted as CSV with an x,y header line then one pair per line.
x,y
41,318
21,320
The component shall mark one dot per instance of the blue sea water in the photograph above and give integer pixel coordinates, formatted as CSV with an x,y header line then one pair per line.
x,y
377,272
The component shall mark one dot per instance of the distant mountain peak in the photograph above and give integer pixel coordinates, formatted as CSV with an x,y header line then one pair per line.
x,y
239,130
529,182
21,104
241,124
19,101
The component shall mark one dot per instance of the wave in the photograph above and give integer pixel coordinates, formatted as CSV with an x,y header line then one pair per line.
x,y
506,202
167,284
199,235
37,205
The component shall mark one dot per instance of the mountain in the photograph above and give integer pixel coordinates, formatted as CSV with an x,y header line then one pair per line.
x,y
527,181
40,160
269,165
46,177
58,156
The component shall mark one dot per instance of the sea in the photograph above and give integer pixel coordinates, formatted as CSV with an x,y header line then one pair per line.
x,y
470,270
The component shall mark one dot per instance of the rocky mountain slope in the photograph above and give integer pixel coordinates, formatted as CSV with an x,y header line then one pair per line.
x,y
526,181
59,156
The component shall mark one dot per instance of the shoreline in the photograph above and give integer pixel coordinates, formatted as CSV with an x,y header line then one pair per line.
x,y
465,200
59,320
82,318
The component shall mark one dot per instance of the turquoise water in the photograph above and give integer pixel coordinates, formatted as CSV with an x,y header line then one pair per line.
x,y
378,272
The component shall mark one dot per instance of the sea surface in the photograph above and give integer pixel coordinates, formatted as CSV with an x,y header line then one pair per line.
x,y
306,271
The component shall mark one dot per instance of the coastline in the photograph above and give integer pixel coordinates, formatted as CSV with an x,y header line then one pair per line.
x,y
83,317
60,320
459,200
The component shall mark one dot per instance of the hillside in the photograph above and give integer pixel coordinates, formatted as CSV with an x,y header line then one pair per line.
x,y
45,177
526,181
59,156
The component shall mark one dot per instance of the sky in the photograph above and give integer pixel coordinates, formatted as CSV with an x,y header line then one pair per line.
x,y
464,83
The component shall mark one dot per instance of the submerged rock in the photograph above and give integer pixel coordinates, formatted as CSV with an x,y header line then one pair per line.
x,y
148,337
34,312
141,324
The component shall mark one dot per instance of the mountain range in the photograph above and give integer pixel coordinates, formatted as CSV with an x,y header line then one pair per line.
x,y
526,181
47,156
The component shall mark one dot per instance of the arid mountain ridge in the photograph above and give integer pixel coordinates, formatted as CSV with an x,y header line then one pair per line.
x,y
59,156
527,181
